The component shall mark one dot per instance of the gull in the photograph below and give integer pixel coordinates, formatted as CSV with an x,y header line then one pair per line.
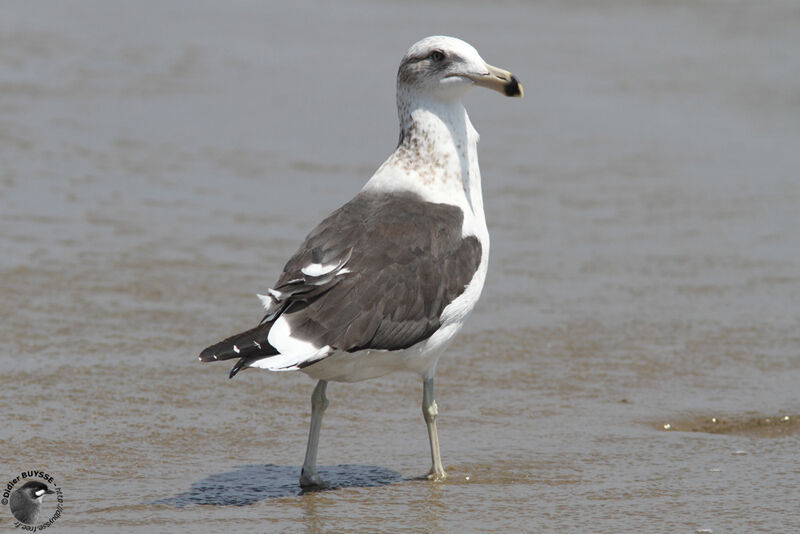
x,y
385,282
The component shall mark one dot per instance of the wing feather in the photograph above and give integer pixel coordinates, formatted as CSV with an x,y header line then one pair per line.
x,y
400,262
397,260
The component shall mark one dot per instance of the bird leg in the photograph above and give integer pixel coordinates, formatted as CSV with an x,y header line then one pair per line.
x,y
429,412
319,402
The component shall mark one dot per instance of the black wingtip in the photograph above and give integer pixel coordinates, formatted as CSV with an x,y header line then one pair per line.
x,y
252,343
208,355
236,368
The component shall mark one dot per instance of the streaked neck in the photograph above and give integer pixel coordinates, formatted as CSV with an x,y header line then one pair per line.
x,y
437,155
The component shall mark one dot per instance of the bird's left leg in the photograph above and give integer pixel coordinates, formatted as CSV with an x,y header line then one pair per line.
x,y
319,403
429,412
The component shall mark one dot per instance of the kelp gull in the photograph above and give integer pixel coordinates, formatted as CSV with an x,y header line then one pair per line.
x,y
385,282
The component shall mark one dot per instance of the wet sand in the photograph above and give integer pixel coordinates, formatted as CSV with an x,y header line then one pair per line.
x,y
755,426
159,164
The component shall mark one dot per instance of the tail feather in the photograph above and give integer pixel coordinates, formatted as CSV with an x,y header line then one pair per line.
x,y
248,346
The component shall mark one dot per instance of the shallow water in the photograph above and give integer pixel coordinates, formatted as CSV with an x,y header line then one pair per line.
x,y
160,163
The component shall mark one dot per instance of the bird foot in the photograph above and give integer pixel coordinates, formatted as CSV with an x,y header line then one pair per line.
x,y
311,480
436,475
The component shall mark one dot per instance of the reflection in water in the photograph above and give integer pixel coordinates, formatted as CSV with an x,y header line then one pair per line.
x,y
249,484
314,523
432,508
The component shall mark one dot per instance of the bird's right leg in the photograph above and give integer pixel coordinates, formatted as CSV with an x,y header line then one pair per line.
x,y
319,402
429,411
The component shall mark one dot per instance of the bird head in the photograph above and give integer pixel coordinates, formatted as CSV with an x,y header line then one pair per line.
x,y
446,67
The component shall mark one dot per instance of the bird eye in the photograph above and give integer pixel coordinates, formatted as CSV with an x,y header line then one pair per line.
x,y
437,55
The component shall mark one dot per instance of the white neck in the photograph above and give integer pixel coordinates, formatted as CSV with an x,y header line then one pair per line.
x,y
437,158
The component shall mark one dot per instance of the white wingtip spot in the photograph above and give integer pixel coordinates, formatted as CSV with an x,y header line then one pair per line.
x,y
256,343
318,269
236,349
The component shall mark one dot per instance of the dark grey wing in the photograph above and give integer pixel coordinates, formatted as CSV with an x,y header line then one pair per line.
x,y
392,264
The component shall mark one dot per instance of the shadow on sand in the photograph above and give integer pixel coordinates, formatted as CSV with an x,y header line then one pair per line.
x,y
249,484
